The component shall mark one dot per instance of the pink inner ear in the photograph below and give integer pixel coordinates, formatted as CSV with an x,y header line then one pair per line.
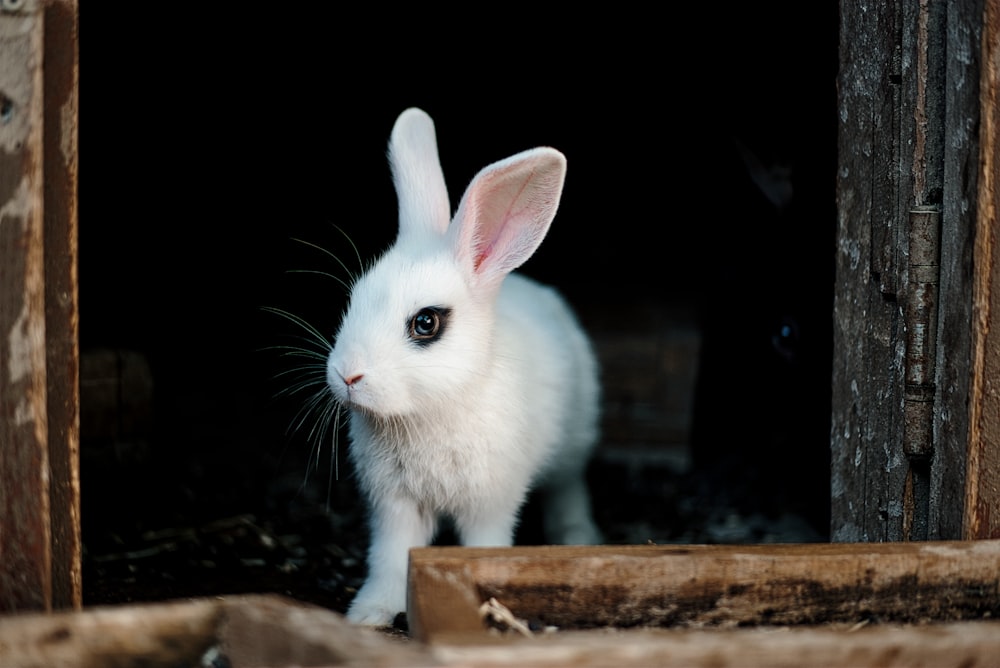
x,y
499,230
506,211
479,260
511,219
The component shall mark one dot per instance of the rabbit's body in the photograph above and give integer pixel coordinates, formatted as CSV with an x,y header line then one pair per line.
x,y
477,453
466,386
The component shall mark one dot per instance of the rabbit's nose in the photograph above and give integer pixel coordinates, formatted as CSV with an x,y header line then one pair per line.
x,y
353,379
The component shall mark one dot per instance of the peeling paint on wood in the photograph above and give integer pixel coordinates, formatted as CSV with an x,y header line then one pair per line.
x,y
25,556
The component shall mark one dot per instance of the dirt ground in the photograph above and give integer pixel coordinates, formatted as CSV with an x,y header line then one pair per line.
x,y
299,534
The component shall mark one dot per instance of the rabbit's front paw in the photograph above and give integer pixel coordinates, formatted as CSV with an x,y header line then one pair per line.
x,y
370,609
371,615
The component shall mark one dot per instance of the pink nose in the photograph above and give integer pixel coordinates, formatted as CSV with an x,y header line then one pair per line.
x,y
353,379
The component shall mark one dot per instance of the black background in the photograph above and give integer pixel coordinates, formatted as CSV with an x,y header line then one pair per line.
x,y
213,136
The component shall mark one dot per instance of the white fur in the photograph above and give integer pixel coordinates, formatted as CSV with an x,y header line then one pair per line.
x,y
505,400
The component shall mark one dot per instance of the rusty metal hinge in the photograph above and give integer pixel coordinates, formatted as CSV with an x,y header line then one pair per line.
x,y
921,316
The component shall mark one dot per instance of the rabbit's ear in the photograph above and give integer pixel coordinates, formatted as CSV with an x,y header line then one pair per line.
x,y
417,175
506,212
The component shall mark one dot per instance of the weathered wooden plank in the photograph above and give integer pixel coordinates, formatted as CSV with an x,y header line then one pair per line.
x,y
867,471
960,645
958,222
908,109
701,585
25,550
61,297
982,499
236,631
278,632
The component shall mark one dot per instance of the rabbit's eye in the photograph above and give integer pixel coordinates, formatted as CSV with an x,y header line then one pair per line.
x,y
428,324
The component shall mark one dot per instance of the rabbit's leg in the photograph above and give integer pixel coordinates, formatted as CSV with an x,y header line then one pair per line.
x,y
568,519
492,527
397,524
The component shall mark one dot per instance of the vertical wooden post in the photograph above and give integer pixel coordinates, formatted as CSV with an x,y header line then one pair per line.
x,y
909,107
40,545
62,366
982,497
959,212
25,533
866,473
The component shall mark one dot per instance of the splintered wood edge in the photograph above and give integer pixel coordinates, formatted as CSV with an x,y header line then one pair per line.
x,y
441,596
693,586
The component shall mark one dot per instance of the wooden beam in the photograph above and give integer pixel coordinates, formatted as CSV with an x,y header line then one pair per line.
x,y
40,545
219,631
25,548
272,631
982,494
697,586
867,475
61,297
909,104
958,219
948,645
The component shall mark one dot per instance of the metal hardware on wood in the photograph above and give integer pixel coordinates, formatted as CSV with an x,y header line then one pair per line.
x,y
921,352
921,330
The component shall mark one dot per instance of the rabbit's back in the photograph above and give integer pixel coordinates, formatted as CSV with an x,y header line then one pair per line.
x,y
559,370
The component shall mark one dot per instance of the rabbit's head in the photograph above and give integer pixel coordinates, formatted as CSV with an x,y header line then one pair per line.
x,y
420,325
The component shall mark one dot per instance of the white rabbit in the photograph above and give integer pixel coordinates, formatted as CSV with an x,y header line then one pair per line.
x,y
466,386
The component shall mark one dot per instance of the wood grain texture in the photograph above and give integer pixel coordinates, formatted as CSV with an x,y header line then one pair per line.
x,y
25,550
958,232
867,468
700,585
230,631
982,500
908,109
960,645
275,631
61,298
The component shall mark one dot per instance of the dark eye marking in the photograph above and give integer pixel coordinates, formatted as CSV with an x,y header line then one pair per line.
x,y
428,324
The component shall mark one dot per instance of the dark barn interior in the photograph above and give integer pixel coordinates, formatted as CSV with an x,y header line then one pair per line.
x,y
213,142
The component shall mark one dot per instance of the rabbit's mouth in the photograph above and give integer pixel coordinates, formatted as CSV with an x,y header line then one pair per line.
x,y
353,399
359,398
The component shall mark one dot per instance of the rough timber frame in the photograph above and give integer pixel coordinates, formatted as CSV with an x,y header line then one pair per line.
x,y
915,436
40,548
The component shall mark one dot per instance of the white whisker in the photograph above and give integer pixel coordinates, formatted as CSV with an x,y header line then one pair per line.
x,y
344,284
336,258
318,416
357,254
